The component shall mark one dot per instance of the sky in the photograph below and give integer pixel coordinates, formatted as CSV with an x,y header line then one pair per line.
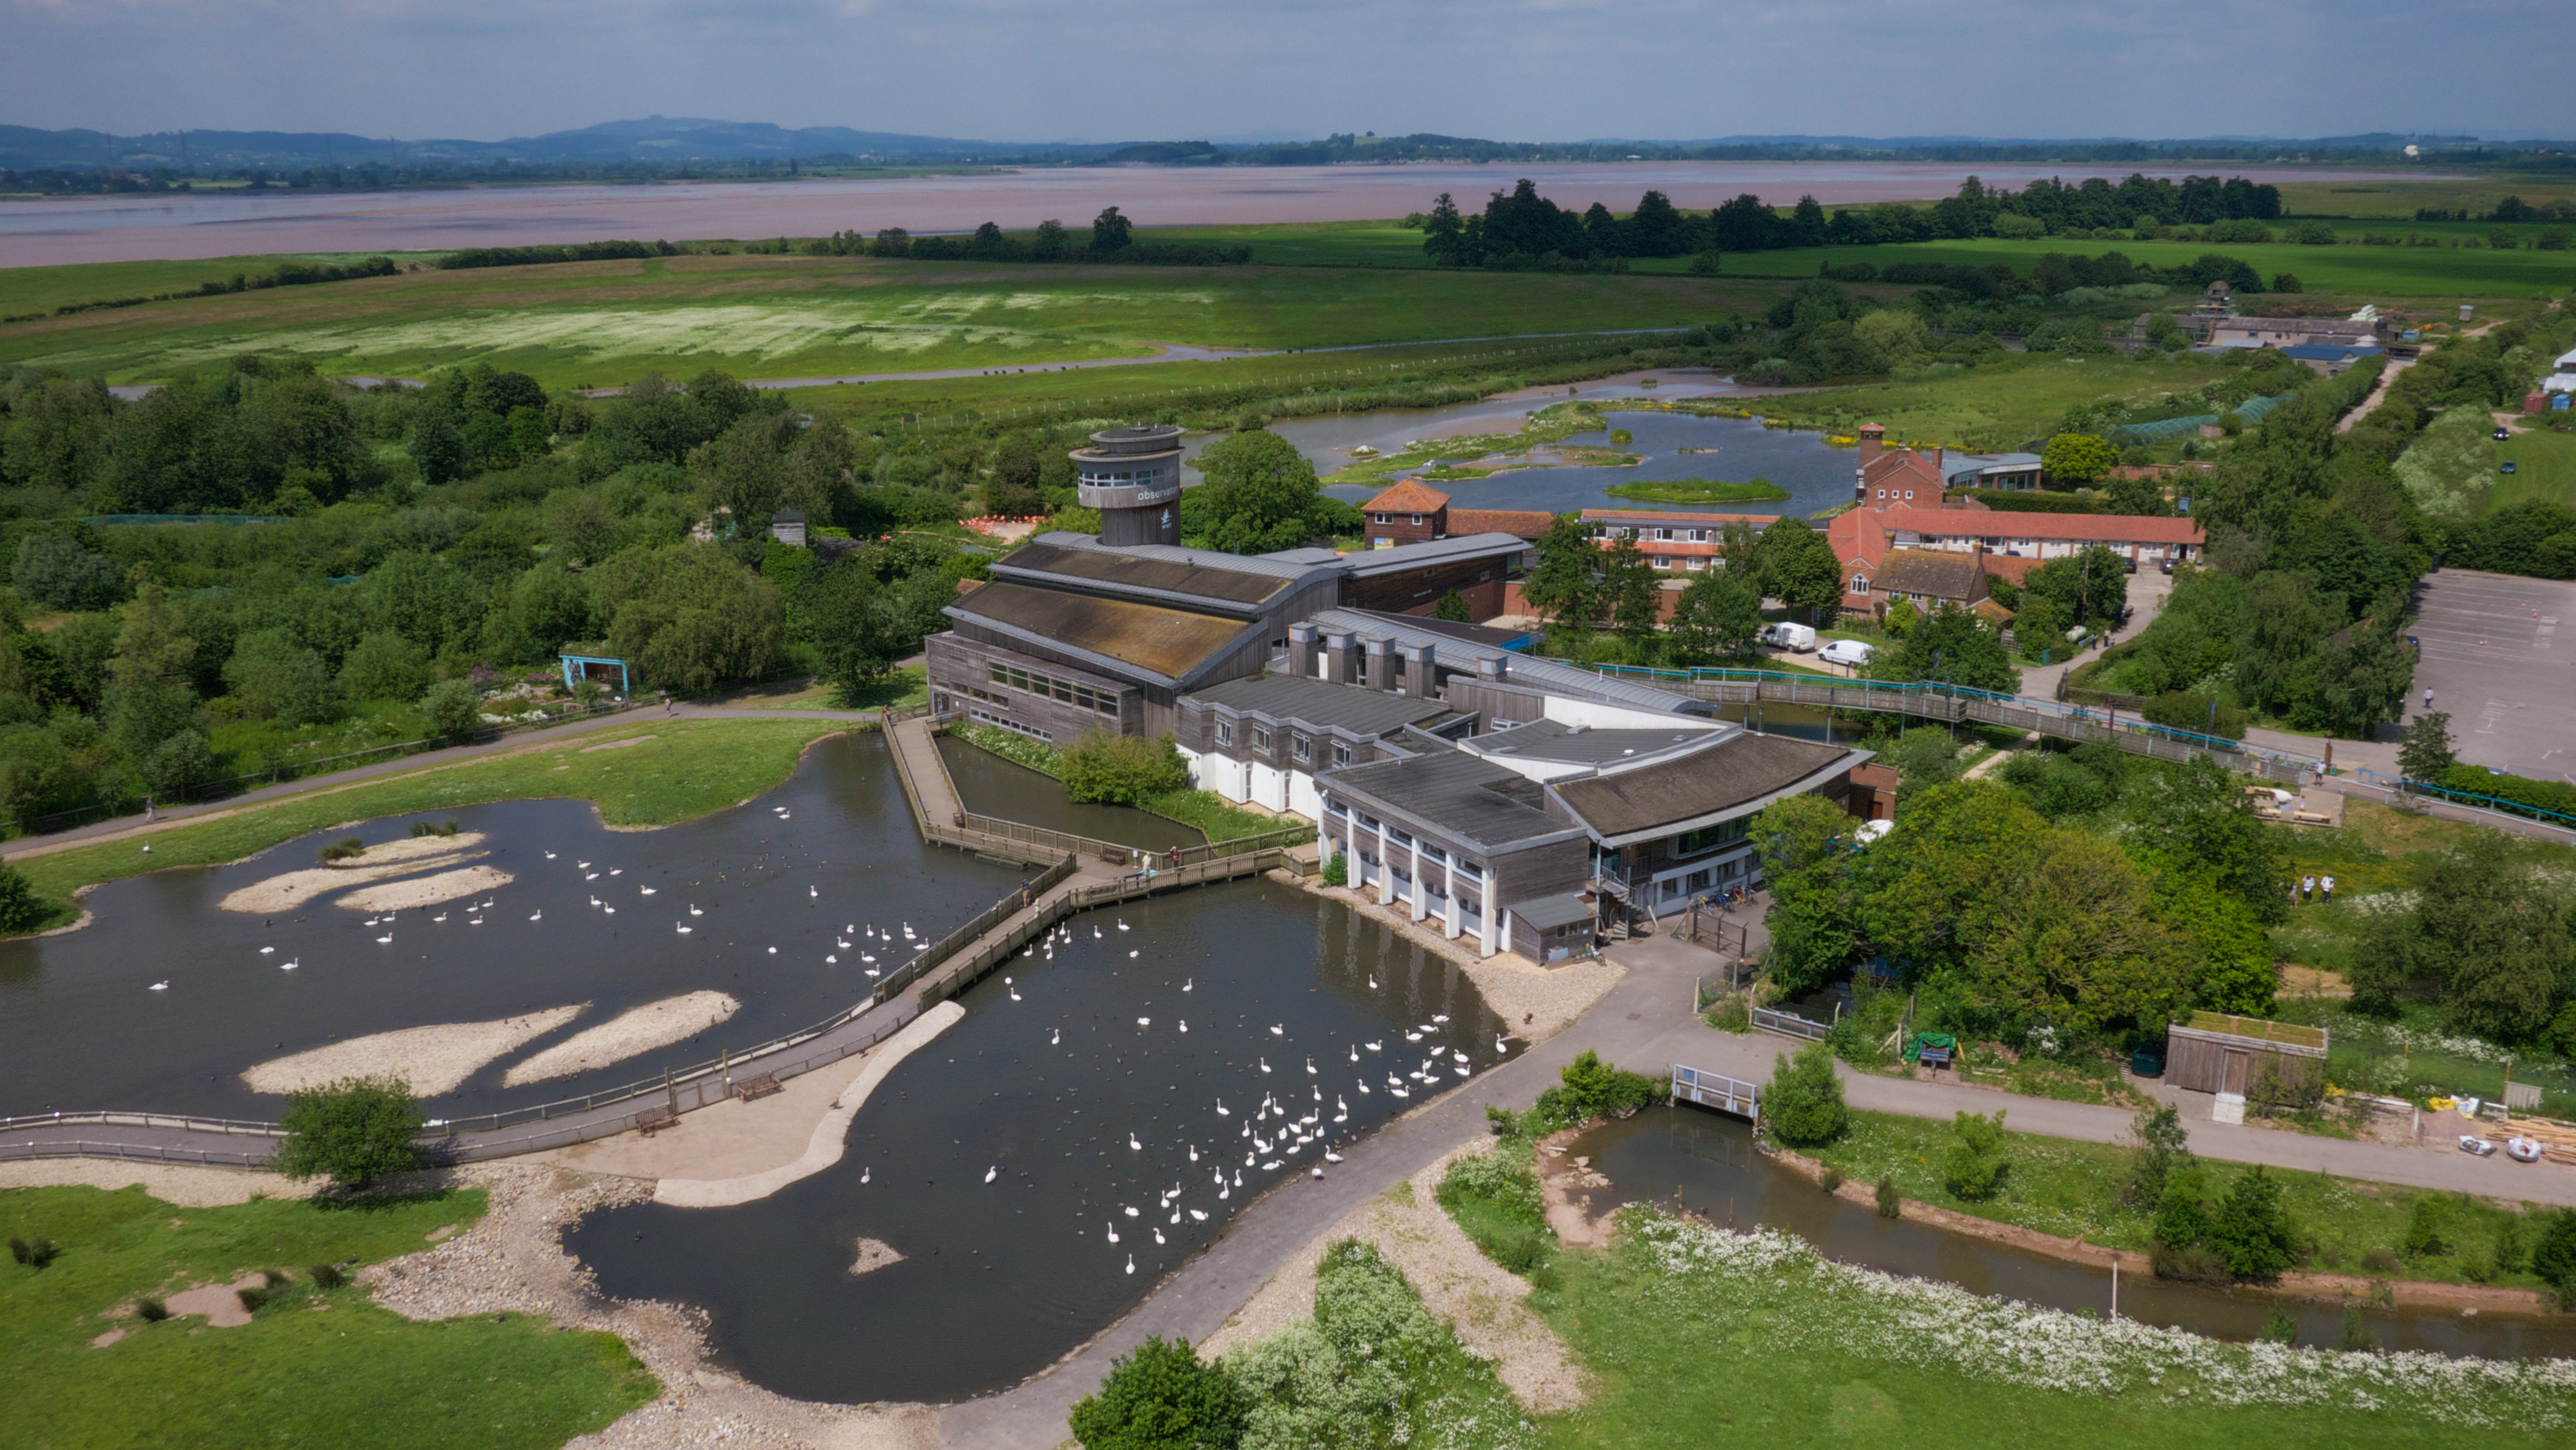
x,y
1114,70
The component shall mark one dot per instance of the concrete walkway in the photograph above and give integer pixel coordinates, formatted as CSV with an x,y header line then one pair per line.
x,y
1645,1023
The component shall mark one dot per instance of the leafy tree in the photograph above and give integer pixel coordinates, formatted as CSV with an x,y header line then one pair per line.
x,y
1896,333
1110,232
1804,1104
56,571
2161,1150
1796,565
1122,769
1261,494
854,625
2424,750
2554,1257
1950,645
1717,617
274,677
1974,1167
686,618
1630,586
1452,606
582,525
2251,1230
2078,458
1444,234
353,1132
385,666
1923,756
2088,587
2486,938
179,762
1162,1396
1564,586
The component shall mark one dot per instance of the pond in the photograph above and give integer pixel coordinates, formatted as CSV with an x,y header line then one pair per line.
x,y
1128,1071
1687,1157
772,883
1733,449
993,786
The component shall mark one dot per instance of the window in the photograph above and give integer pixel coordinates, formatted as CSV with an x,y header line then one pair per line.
x,y
1860,584
1225,732
1261,738
1007,723
1417,518
1336,808
1695,563
1300,747
1341,754
1099,702
1663,561
1664,534
1709,838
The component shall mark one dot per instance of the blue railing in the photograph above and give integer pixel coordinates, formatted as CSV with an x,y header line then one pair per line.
x,y
2468,798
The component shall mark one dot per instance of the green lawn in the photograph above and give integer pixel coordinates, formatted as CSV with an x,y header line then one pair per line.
x,y
902,690
323,1368
2061,1186
2371,858
1994,405
2381,272
1700,490
2383,202
1702,1338
686,768
42,289
767,316
2544,468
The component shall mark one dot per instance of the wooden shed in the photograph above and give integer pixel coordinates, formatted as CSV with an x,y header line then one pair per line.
x,y
2217,1053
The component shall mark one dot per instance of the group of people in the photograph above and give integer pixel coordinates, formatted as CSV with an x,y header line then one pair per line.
x,y
2309,888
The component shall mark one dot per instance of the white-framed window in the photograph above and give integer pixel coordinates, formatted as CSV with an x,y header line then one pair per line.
x,y
1417,518
1225,732
1663,561
1301,747
1341,754
1694,563
1261,739
1860,584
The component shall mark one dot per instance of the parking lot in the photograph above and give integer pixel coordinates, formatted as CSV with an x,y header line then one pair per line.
x,y
2489,657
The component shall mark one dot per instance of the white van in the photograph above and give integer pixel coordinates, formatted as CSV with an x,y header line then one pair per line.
x,y
1850,652
1790,637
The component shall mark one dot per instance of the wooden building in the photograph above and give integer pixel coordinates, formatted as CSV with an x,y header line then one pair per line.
x,y
2249,1057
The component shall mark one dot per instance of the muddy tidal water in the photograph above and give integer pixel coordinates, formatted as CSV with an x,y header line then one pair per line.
x,y
776,881
1145,1083
1690,1158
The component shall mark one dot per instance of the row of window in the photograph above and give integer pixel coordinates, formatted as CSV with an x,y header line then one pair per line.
x,y
1098,702
977,712
1148,475
1669,535
1710,838
1300,745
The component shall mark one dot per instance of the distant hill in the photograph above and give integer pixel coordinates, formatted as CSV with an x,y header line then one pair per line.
x,y
667,144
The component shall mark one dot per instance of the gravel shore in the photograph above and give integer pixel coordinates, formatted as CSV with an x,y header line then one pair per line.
x,y
1538,1002
434,1060
184,1184
655,1024
292,889
458,885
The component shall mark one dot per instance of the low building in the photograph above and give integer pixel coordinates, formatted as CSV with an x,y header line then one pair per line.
x,y
1924,578
1863,537
2331,359
2285,332
787,526
1674,541
1413,512
2244,1057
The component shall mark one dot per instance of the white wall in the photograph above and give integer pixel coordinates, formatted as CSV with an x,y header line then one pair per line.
x,y
1566,711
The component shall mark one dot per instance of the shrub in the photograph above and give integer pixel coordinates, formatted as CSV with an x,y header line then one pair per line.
x,y
1733,1013
343,849
2512,1246
1975,1166
1162,1396
1805,1104
1502,1178
1832,1180
252,1299
34,1253
2428,1228
1590,1088
425,828
1122,769
353,1131
2380,1261
151,1310
1337,871
454,708
2160,1151
2191,1264
1890,1203
2279,1327
2251,1230
2554,1257
2356,1334
327,1276
21,909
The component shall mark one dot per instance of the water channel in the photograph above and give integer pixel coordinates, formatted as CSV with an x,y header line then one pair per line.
x,y
1688,1157
992,786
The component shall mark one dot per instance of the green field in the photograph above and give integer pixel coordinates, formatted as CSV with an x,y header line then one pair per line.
x,y
2387,201
42,289
772,316
2544,467
686,769
314,1367
1998,404
1700,490
2373,273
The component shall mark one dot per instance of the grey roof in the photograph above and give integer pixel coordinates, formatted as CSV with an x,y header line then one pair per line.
x,y
1465,798
1190,582
1131,641
1304,556
1437,551
1175,554
1452,629
1547,913
1321,704
1551,740
1737,777
1551,676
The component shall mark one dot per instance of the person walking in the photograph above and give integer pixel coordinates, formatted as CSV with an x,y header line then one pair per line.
x,y
2307,888
2326,884
147,810
2428,697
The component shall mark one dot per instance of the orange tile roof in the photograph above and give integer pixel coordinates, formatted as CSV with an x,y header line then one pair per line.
x,y
1408,497
2126,528
1618,515
1522,523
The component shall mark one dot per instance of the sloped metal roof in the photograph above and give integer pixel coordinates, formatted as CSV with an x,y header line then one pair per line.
x,y
1139,641
1739,774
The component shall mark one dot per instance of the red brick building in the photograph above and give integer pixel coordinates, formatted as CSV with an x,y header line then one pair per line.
x,y
1413,512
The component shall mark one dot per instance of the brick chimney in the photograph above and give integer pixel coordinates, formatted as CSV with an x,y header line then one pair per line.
x,y
1873,439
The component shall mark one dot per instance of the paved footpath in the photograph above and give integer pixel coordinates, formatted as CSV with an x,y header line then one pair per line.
x,y
1645,1023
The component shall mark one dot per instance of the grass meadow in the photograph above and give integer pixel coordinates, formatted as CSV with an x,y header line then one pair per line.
x,y
1997,404
2544,468
780,316
314,1367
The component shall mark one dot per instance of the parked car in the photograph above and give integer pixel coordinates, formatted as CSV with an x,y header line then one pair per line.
x,y
1850,652
2502,433
2168,564
1798,637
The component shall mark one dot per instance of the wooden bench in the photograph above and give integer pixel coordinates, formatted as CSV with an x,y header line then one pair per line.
x,y
758,1085
652,1120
